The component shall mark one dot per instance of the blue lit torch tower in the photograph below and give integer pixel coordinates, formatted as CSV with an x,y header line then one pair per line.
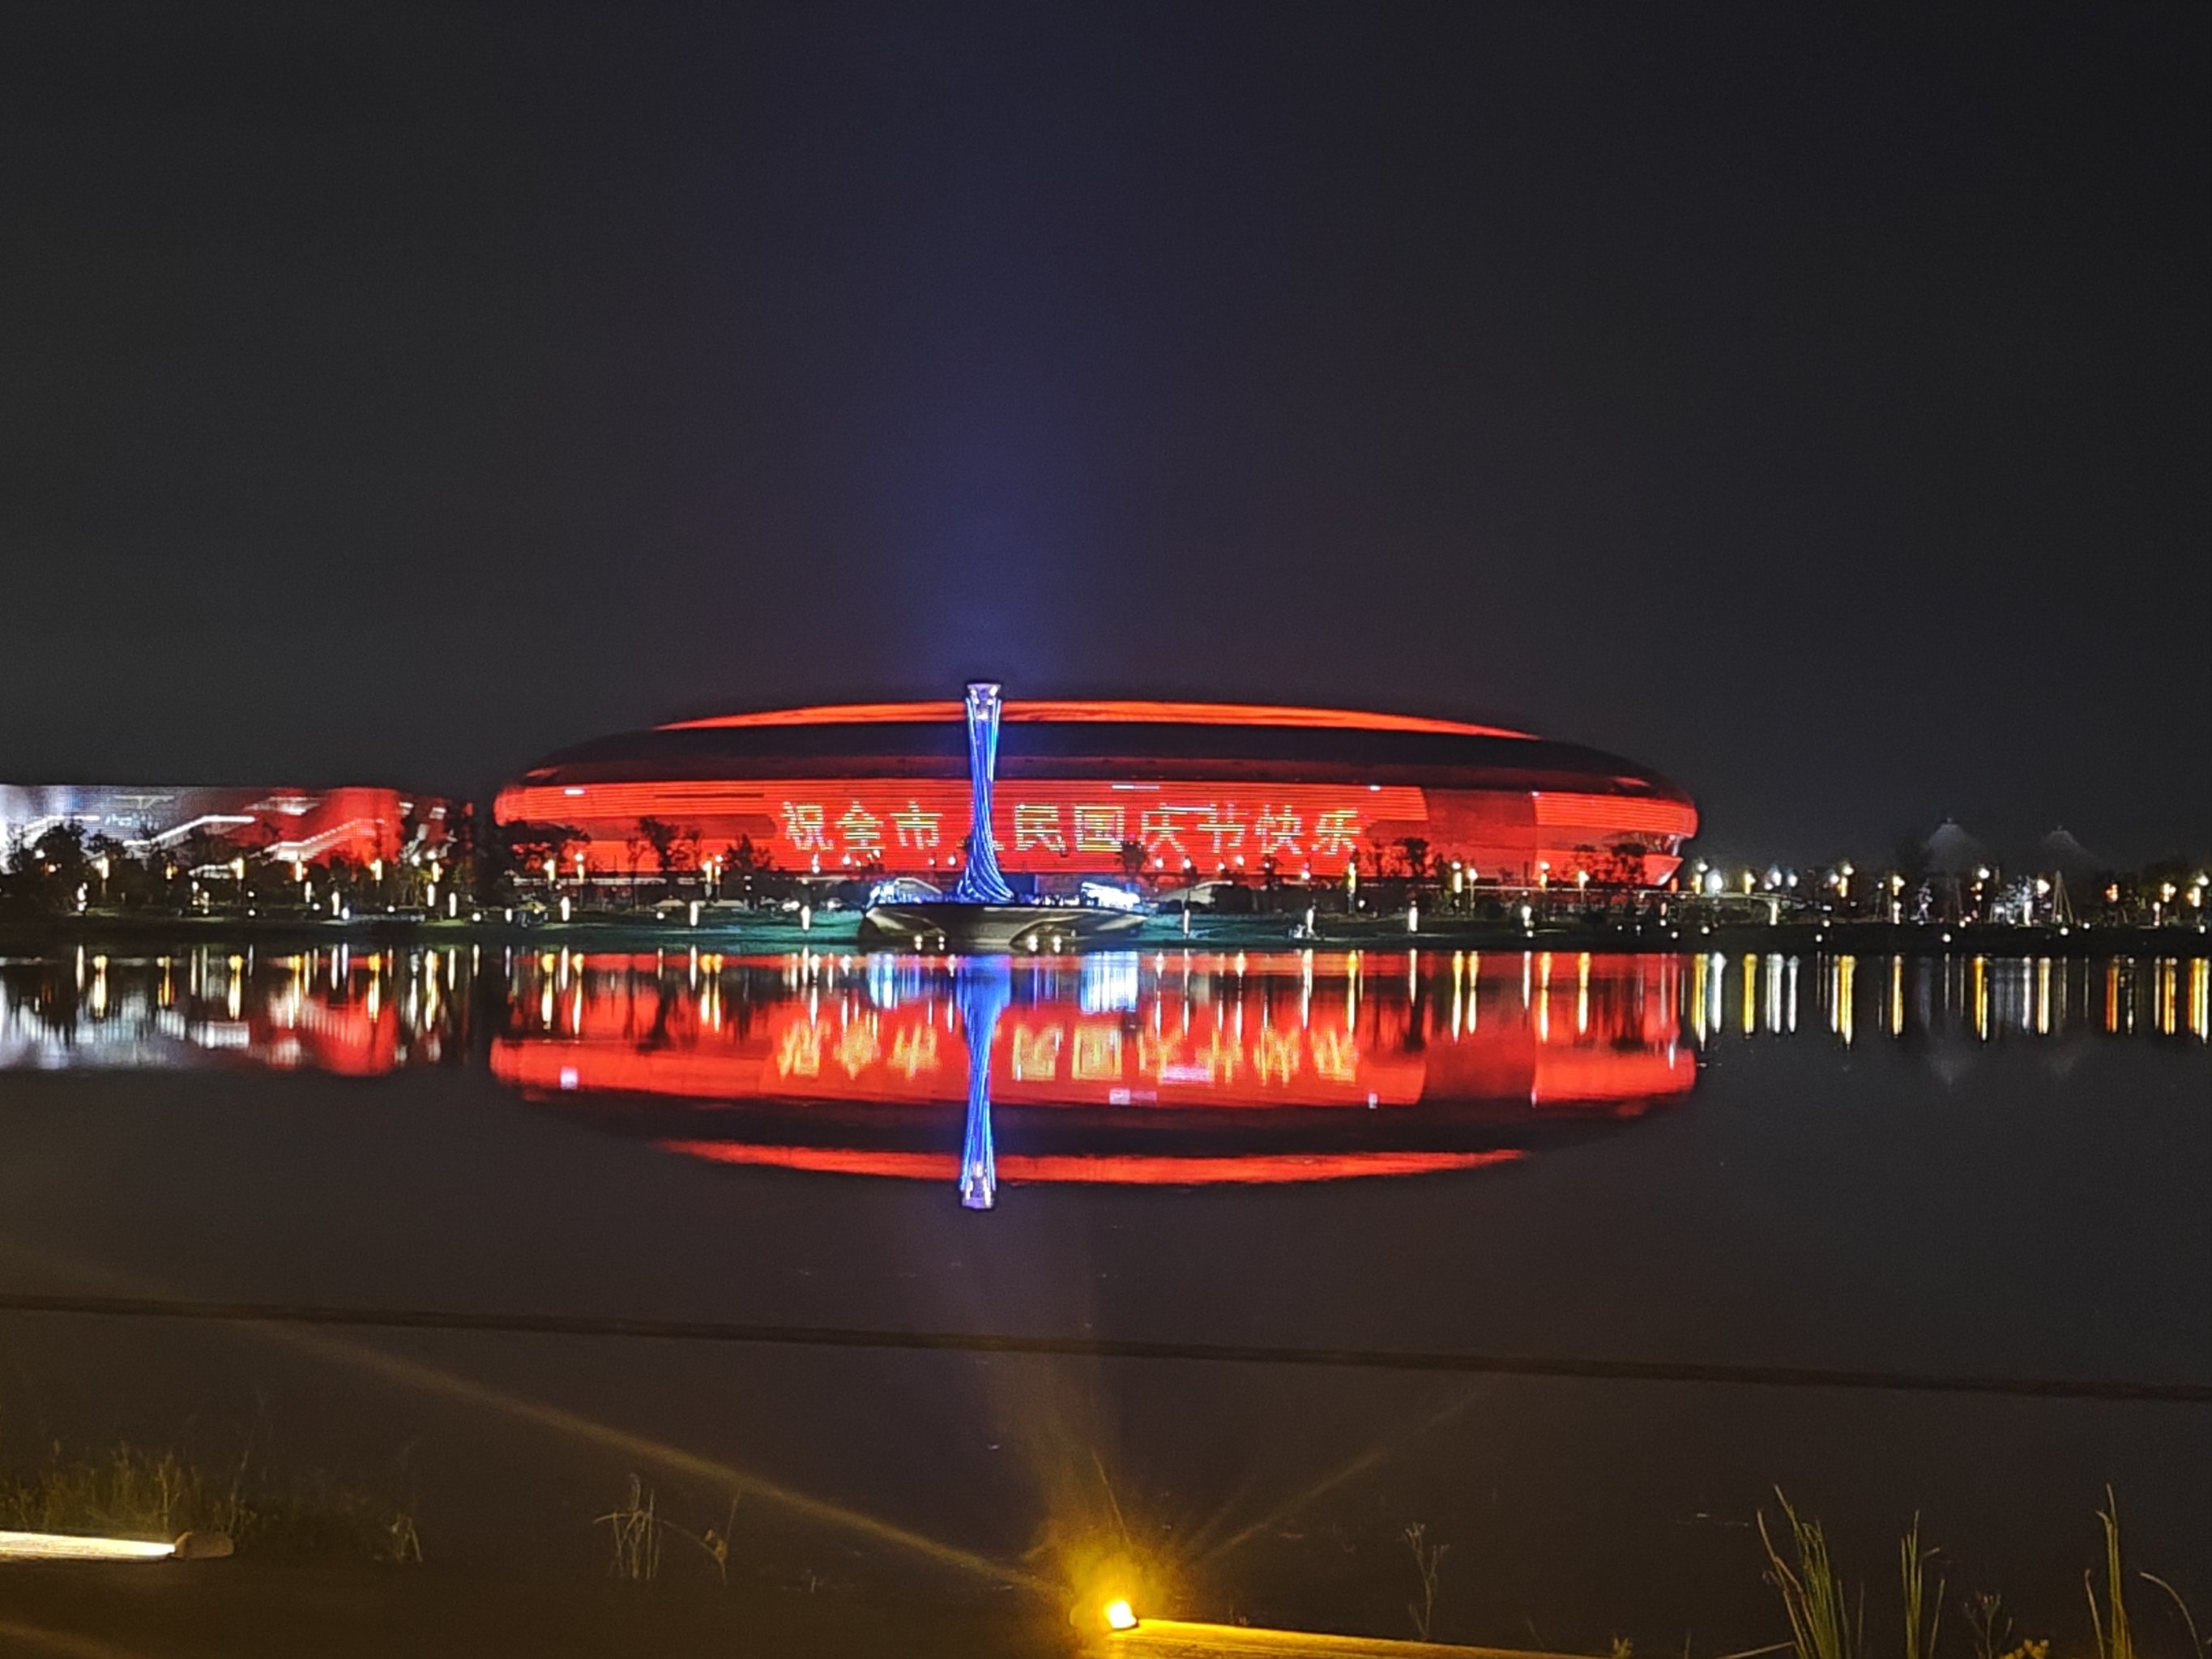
x,y
981,882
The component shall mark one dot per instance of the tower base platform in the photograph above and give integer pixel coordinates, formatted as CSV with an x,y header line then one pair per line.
x,y
1023,928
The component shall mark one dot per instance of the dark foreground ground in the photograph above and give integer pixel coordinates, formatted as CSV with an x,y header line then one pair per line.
x,y
216,1610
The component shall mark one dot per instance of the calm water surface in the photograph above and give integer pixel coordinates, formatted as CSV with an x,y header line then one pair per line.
x,y
1975,1167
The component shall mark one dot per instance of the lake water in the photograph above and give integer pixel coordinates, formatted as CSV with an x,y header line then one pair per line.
x,y
1136,1248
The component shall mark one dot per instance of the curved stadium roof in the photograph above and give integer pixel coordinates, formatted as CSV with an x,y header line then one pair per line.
x,y
1241,742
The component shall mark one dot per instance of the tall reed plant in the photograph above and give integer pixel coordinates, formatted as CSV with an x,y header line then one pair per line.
x,y
1822,1623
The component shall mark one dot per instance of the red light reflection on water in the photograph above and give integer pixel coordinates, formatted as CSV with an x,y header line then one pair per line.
x,y
1246,1169
1182,1068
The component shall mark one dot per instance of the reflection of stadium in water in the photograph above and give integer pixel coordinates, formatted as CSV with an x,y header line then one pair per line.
x,y
1183,1066
686,1016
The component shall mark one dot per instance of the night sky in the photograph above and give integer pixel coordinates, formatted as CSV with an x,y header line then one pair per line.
x,y
1811,404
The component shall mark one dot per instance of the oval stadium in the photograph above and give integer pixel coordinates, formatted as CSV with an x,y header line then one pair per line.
x,y
1172,791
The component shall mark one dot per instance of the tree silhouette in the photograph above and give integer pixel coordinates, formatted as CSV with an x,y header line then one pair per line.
x,y
525,848
660,838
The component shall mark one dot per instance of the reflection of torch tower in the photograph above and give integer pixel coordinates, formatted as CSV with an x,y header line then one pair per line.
x,y
981,990
980,883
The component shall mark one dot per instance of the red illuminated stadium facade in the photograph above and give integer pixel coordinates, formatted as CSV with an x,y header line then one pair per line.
x,y
1106,788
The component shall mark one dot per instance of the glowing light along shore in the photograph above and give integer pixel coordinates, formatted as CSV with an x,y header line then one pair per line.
x,y
71,1547
1128,1633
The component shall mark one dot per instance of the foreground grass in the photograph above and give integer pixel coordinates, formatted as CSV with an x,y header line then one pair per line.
x,y
130,1492
305,1577
1827,1621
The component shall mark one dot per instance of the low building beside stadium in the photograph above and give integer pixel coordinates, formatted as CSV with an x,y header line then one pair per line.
x,y
304,827
1172,791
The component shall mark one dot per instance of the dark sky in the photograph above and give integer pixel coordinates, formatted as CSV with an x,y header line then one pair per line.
x,y
1812,404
